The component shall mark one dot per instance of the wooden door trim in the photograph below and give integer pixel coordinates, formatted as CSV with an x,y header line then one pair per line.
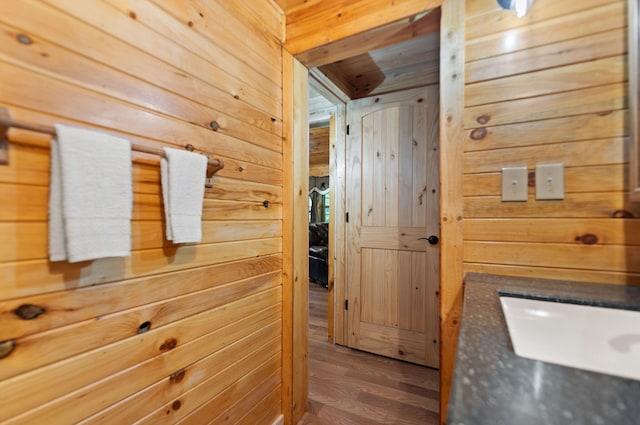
x,y
452,32
295,240
337,225
452,56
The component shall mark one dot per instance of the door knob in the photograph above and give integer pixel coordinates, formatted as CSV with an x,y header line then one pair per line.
x,y
431,239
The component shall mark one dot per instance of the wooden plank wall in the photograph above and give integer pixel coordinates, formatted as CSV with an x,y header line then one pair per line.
x,y
155,72
549,88
319,151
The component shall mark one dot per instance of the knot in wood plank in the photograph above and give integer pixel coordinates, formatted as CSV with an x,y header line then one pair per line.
x,y
6,348
587,239
479,133
28,311
169,344
622,214
178,376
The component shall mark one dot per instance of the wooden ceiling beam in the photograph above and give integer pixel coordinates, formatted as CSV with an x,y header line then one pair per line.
x,y
326,22
390,34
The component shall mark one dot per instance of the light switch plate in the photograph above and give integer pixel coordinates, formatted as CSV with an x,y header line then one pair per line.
x,y
514,184
550,181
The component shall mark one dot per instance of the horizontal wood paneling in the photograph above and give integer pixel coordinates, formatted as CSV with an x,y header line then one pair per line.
x,y
604,178
63,308
192,390
571,51
79,337
526,33
581,275
553,80
319,151
581,127
549,88
38,276
591,152
568,256
157,73
261,170
591,100
567,231
92,367
588,204
485,17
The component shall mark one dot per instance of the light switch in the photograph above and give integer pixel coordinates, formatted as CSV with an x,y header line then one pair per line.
x,y
550,181
514,184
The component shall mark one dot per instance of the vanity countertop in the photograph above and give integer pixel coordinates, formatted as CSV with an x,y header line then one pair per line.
x,y
494,386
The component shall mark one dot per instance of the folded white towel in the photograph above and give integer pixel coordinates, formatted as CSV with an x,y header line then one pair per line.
x,y
183,175
91,199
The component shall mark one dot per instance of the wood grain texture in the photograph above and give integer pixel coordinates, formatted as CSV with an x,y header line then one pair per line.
x,y
392,278
452,94
156,73
326,21
106,362
617,258
614,231
90,334
527,34
583,275
374,39
571,154
295,239
582,127
570,77
597,178
597,99
485,17
319,151
190,390
64,308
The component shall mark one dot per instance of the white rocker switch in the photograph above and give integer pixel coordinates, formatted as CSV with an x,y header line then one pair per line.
x,y
550,181
514,184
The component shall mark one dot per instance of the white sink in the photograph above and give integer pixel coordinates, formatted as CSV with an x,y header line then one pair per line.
x,y
605,340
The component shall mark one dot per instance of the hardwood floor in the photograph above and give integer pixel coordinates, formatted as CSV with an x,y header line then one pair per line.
x,y
350,387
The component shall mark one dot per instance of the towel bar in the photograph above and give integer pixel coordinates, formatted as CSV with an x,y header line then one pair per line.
x,y
6,122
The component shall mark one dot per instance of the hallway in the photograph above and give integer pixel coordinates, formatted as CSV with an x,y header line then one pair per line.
x,y
350,387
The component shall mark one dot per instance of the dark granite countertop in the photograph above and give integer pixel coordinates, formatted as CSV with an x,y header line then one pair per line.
x,y
494,386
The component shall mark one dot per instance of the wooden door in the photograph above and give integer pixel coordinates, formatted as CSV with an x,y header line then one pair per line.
x,y
392,202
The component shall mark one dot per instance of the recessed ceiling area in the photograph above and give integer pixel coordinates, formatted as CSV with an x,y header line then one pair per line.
x,y
402,55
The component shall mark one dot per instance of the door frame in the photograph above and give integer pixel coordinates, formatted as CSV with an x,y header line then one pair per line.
x,y
452,57
337,226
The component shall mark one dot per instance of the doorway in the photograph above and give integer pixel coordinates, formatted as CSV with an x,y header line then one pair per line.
x,y
407,58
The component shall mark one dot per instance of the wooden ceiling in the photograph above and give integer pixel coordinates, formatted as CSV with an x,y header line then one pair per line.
x,y
397,56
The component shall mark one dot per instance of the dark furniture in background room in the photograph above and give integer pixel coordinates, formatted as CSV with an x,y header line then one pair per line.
x,y
319,252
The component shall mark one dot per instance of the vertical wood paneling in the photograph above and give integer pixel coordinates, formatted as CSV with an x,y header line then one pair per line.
x,y
156,73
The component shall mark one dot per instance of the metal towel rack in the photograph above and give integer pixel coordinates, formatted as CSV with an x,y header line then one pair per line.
x,y
6,122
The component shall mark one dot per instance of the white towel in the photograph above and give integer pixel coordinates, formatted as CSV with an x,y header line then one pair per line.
x,y
90,199
183,175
